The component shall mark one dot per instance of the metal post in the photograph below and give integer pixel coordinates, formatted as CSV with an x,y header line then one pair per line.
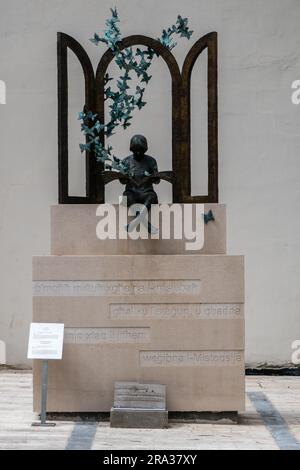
x,y
44,391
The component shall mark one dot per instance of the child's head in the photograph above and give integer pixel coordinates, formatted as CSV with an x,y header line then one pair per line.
x,y
138,144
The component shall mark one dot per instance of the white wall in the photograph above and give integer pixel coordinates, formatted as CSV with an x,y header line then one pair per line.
x,y
259,143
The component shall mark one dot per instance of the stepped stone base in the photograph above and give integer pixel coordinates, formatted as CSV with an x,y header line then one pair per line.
x,y
144,311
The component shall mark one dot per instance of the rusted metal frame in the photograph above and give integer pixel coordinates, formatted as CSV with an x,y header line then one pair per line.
x,y
181,140
63,43
208,41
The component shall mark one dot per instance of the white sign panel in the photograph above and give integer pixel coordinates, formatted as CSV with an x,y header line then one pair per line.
x,y
45,341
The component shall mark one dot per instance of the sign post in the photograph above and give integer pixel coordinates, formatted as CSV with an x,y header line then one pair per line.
x,y
45,342
44,390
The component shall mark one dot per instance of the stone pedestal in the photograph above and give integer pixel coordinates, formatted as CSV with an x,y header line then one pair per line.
x,y
172,319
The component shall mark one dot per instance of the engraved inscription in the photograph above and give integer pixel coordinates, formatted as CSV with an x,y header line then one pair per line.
x,y
106,335
190,358
174,311
136,395
107,288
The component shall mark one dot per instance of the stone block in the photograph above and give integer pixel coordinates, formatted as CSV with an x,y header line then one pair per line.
x,y
73,232
176,320
138,418
180,278
137,395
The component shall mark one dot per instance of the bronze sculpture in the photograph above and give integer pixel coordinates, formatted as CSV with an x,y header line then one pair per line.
x,y
143,173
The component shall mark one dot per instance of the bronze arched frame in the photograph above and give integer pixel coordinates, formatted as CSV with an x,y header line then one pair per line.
x,y
94,99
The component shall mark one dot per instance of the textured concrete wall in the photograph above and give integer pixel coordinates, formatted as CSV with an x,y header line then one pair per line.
x,y
259,57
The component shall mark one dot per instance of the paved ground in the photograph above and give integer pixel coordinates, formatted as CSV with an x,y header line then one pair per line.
x,y
271,421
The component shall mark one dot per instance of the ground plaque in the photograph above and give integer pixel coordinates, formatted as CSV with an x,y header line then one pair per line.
x,y
139,405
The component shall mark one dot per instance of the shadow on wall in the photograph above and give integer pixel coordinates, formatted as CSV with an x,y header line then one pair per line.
x,y
2,352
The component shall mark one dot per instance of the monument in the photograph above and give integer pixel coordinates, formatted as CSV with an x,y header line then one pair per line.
x,y
142,310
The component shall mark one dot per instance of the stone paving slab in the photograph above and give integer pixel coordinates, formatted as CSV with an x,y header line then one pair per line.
x,y
271,421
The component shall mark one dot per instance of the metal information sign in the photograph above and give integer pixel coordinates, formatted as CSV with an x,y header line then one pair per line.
x,y
45,342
